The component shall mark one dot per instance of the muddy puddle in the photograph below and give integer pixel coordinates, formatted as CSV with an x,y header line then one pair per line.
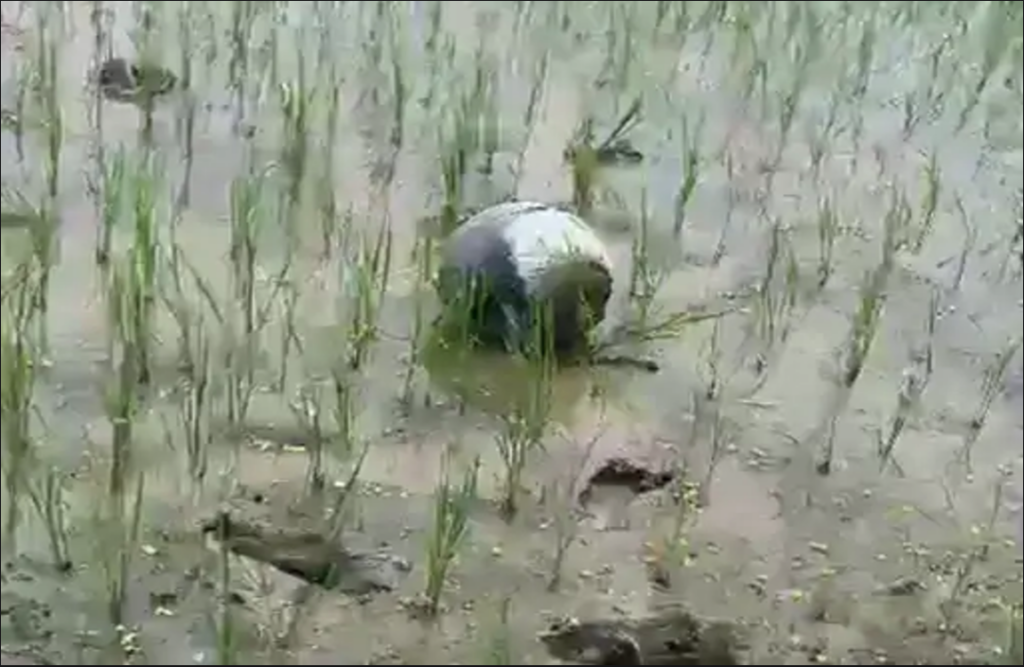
x,y
705,493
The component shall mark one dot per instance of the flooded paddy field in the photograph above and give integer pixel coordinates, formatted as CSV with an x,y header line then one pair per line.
x,y
230,434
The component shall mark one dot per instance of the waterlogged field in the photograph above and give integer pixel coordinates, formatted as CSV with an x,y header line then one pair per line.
x,y
229,435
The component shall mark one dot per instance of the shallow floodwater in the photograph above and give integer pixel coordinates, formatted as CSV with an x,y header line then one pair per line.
x,y
806,561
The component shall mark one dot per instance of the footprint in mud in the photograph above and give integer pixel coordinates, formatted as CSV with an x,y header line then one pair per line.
x,y
616,484
672,637
311,556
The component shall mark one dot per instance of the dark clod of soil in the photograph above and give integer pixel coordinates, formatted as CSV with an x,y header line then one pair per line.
x,y
121,80
623,361
673,637
308,555
626,474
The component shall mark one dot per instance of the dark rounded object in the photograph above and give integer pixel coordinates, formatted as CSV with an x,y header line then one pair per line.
x,y
525,276
124,81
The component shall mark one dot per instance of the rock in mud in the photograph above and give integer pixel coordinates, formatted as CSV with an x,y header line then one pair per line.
x,y
309,555
622,473
673,637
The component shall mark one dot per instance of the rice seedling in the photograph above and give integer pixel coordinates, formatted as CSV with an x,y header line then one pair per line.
x,y
775,300
644,279
970,242
980,539
929,106
498,646
113,200
710,406
295,103
19,356
99,21
188,24
538,85
862,73
194,408
522,429
453,502
148,15
828,228
672,550
821,134
1015,642
930,203
243,22
123,396
24,471
44,104
691,172
327,203
563,496
246,227
998,30
225,623
118,533
872,296
306,409
915,381
422,256
48,497
991,387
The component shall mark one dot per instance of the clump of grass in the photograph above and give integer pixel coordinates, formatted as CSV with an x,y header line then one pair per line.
x,y
453,502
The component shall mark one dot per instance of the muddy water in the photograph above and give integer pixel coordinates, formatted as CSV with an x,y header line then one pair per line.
x,y
772,526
